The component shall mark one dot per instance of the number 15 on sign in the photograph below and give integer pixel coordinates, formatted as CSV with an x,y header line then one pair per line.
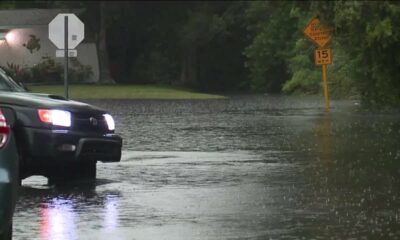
x,y
323,56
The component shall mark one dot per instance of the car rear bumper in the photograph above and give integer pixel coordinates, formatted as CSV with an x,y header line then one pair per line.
x,y
45,145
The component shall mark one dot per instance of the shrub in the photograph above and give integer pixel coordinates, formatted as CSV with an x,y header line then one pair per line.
x,y
18,73
79,72
49,71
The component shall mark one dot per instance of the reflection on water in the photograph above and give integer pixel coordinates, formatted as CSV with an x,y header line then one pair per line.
x,y
355,176
58,220
62,210
323,129
110,219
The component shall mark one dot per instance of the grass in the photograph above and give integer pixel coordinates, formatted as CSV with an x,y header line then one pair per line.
x,y
123,92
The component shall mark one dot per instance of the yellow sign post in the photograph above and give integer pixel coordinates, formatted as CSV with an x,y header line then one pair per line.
x,y
321,35
326,91
324,57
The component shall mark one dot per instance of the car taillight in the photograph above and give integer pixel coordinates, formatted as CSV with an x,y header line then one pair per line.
x,y
55,117
4,130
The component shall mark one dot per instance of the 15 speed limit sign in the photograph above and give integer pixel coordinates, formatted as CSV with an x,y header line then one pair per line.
x,y
323,56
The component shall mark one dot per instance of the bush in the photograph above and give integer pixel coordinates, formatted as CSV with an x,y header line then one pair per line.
x,y
17,72
79,72
305,76
49,71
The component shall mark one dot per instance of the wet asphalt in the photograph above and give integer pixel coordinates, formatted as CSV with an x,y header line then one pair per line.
x,y
249,167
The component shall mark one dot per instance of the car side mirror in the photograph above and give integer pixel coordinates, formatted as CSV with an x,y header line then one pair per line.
x,y
10,115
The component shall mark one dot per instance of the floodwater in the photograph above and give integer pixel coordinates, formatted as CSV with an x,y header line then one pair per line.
x,y
250,167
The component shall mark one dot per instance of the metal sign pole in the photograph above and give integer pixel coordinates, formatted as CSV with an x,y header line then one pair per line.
x,y
326,92
66,56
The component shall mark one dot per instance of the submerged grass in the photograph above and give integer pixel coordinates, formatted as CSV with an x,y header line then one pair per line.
x,y
124,92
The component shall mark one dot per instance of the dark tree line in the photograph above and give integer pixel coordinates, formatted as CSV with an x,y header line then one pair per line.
x,y
245,45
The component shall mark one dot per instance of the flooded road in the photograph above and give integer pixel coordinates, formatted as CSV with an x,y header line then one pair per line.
x,y
250,167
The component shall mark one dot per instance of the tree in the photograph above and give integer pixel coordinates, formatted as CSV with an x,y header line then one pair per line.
x,y
153,41
195,44
274,30
105,76
367,32
202,26
305,77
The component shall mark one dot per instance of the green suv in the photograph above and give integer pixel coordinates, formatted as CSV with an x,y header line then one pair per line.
x,y
8,172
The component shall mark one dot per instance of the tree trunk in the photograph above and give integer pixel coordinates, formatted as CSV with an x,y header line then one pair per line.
x,y
105,76
189,67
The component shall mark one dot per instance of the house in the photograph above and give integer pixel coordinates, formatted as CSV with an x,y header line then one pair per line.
x,y
19,27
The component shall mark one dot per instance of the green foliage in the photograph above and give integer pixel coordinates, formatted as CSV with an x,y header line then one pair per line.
x,y
49,71
340,73
305,77
17,72
204,38
367,32
144,42
159,71
220,59
257,45
117,91
304,81
202,26
274,34
7,5
79,72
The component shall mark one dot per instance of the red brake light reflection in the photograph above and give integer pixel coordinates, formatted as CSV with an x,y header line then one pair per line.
x,y
4,130
3,122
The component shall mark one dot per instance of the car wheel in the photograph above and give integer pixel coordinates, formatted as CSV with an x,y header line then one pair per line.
x,y
21,162
82,170
87,170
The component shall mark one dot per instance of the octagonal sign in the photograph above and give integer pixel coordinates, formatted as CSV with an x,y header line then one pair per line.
x,y
76,30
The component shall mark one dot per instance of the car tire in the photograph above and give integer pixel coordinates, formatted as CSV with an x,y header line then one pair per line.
x,y
77,171
87,170
21,161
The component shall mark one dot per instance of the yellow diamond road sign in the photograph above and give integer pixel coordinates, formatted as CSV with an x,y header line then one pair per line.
x,y
317,32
